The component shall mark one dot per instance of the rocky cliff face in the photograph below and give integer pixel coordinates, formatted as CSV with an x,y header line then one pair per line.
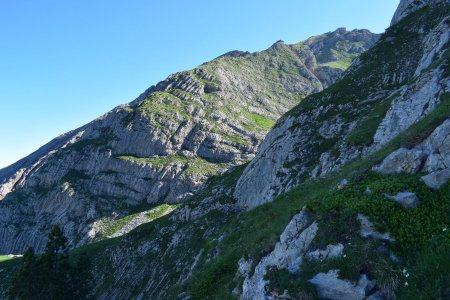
x,y
401,80
165,144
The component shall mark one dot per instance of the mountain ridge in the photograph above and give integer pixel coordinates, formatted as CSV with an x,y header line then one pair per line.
x,y
162,146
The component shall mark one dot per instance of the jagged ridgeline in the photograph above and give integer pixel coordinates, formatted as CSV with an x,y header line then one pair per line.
x,y
349,190
164,145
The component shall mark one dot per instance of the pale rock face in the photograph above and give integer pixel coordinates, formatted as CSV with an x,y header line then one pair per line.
x,y
251,192
332,128
288,253
329,286
245,267
422,97
8,185
415,102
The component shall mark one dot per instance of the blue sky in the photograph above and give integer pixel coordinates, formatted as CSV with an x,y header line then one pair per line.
x,y
63,63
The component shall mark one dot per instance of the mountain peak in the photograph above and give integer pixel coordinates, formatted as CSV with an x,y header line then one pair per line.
x,y
408,6
341,30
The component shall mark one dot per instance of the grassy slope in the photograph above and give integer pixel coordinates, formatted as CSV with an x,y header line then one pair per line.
x,y
253,233
421,241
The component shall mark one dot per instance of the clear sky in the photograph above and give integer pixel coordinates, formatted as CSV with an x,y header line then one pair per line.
x,y
63,63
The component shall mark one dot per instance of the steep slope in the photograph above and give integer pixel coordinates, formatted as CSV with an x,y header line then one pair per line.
x,y
161,147
389,88
326,238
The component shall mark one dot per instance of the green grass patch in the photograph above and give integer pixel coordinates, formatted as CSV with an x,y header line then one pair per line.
x,y
150,215
5,257
160,211
342,64
193,165
258,120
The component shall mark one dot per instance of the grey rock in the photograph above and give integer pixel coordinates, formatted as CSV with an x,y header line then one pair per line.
x,y
184,296
376,296
332,251
245,267
329,286
434,45
405,199
367,230
402,160
430,156
342,184
413,103
437,179
331,129
288,253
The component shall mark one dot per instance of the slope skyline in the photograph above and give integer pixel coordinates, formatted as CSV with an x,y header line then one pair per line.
x,y
64,88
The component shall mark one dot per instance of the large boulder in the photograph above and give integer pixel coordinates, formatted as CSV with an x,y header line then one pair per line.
x,y
403,160
437,179
329,286
405,199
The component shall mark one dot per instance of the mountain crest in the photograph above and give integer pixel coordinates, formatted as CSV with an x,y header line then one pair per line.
x,y
408,6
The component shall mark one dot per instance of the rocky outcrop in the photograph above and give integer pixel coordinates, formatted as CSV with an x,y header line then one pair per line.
x,y
367,230
437,179
407,7
430,156
332,251
402,160
405,199
360,114
329,286
288,253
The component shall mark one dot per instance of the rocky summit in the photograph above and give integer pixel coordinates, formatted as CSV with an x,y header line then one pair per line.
x,y
318,170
